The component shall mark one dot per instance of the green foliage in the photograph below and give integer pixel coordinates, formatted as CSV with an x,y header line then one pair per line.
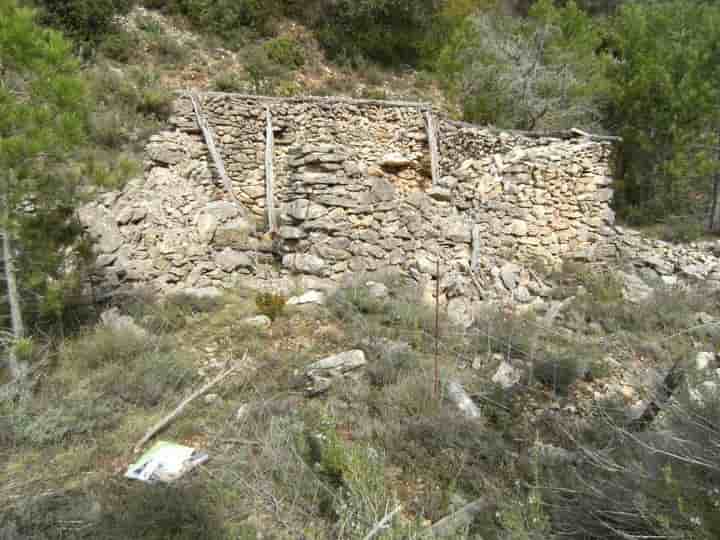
x,y
120,46
231,20
538,72
228,82
105,346
264,73
270,304
664,100
559,371
71,418
391,32
84,20
285,52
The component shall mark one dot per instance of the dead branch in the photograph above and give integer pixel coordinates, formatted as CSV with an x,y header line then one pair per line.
x,y
449,525
382,523
180,408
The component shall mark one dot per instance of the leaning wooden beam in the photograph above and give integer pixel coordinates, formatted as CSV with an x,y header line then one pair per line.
x,y
432,142
269,172
210,142
180,408
448,526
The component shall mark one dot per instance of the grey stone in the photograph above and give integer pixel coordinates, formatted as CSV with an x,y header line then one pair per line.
x,y
113,319
291,233
310,297
382,190
510,276
167,153
230,260
395,161
704,360
203,293
338,364
635,290
377,291
259,321
460,312
207,225
506,375
101,227
305,264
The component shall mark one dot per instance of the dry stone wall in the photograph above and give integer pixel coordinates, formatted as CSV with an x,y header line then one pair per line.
x,y
354,192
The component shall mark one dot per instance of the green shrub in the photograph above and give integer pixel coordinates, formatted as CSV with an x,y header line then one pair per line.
x,y
390,32
264,73
285,52
228,82
120,46
104,346
228,19
148,24
390,362
72,417
155,102
84,20
559,371
271,305
168,49
148,379
159,512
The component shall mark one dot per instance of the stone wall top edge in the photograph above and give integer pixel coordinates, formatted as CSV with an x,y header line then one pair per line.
x,y
420,106
558,134
316,99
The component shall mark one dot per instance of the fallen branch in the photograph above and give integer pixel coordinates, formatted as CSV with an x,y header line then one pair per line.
x,y
382,523
449,525
180,408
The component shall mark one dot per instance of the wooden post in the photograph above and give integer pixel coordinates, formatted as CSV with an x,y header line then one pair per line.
x,y
210,142
433,143
269,172
475,257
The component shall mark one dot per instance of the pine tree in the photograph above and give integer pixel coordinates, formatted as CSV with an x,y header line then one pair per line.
x,y
43,124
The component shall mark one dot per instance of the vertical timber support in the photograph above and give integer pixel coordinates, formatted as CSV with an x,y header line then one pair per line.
x,y
269,172
475,256
210,142
433,143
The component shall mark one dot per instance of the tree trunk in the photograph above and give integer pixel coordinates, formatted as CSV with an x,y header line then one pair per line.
x,y
18,328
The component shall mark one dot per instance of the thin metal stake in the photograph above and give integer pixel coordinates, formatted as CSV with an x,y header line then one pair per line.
x,y
436,384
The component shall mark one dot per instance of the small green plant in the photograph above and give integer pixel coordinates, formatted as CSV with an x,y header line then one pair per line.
x,y
229,82
285,52
270,304
149,24
120,46
558,371
168,49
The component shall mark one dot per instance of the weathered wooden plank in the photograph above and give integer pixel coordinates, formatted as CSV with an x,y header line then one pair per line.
x,y
475,256
210,142
434,153
269,172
